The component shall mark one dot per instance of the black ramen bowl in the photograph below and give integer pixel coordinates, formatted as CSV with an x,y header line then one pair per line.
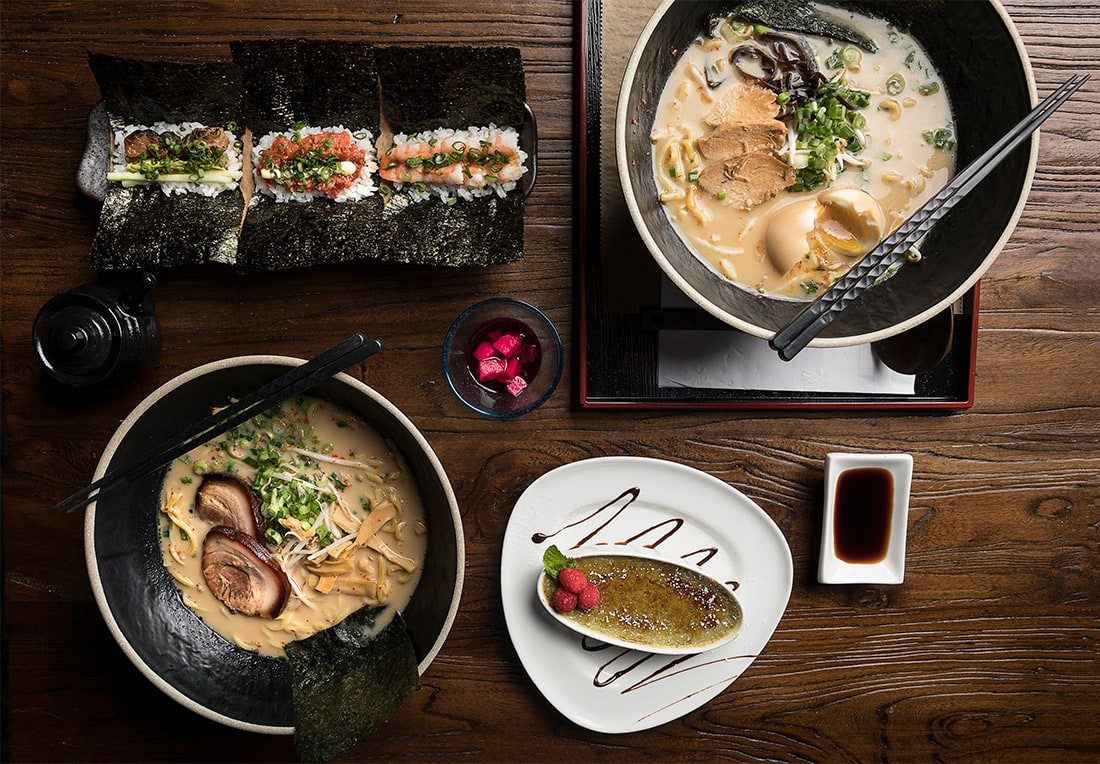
x,y
988,78
172,645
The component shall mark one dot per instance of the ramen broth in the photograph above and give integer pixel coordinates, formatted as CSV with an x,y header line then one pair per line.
x,y
900,166
382,479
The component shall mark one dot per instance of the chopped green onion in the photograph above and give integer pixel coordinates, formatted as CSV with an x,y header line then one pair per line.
x,y
895,83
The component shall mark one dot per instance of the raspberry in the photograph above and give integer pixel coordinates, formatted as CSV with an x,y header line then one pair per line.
x,y
589,597
563,601
573,579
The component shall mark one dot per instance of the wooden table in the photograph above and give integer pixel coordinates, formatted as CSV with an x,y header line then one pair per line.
x,y
989,650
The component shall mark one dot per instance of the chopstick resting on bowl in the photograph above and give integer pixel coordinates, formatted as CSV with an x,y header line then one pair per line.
x,y
790,340
299,379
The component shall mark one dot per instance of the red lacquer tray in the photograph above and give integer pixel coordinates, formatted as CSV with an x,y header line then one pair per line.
x,y
620,313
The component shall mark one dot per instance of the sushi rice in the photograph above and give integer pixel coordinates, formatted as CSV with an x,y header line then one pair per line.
x,y
363,186
233,159
472,136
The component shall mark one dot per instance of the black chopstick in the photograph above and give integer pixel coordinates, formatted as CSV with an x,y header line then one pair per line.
x,y
300,378
793,338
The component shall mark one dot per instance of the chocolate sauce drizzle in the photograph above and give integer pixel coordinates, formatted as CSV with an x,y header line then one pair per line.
x,y
706,554
538,538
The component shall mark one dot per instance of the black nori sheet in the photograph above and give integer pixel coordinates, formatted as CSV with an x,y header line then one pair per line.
x,y
322,84
319,83
279,236
484,231
436,86
141,227
431,86
346,684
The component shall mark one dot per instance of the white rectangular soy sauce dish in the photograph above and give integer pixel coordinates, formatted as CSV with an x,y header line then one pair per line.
x,y
891,570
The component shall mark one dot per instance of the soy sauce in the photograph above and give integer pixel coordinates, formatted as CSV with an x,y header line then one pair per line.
x,y
863,509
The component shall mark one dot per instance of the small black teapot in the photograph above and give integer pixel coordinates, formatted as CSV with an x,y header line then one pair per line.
x,y
98,336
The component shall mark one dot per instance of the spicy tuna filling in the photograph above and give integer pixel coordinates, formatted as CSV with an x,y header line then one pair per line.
x,y
324,162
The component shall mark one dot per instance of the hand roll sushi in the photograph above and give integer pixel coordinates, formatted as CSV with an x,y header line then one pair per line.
x,y
309,163
180,158
455,164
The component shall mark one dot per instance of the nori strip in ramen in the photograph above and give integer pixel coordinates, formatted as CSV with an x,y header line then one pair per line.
x,y
346,682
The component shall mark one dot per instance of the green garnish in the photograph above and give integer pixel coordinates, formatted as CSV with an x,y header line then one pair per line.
x,y
451,201
186,480
554,562
942,139
811,287
910,59
928,88
824,126
693,176
885,156
783,97
895,83
171,156
760,30
672,172
721,195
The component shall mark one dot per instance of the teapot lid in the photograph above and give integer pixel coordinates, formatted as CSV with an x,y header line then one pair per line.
x,y
77,339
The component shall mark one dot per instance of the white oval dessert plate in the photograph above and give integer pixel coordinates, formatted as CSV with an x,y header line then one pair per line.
x,y
644,553
629,504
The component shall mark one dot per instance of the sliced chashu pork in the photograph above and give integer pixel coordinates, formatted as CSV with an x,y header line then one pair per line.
x,y
747,180
743,103
740,137
227,500
242,574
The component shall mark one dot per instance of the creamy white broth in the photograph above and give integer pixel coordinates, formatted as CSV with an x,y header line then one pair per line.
x,y
903,170
386,479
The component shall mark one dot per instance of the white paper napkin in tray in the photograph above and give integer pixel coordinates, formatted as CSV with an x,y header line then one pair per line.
x,y
722,359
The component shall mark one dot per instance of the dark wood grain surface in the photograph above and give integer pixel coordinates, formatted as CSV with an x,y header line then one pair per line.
x,y
988,651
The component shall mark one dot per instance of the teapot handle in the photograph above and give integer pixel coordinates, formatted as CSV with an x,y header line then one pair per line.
x,y
134,293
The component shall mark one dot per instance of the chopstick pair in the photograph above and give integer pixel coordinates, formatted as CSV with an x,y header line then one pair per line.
x,y
299,379
790,340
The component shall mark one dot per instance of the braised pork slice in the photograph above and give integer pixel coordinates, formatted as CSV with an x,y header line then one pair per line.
x,y
739,137
241,573
744,103
747,180
227,500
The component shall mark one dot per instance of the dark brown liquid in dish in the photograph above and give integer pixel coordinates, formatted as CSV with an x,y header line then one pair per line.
x,y
864,507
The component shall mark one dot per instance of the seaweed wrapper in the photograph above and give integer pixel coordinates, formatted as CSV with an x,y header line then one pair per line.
x,y
431,86
141,227
483,231
321,84
446,86
347,682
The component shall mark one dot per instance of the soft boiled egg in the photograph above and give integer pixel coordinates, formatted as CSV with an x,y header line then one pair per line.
x,y
843,221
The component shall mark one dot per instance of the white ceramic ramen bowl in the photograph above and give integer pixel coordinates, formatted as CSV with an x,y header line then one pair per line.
x,y
170,644
968,42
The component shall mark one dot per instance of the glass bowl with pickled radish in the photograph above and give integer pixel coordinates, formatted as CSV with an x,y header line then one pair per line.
x,y
502,357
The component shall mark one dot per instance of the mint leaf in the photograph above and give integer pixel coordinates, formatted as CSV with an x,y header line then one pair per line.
x,y
555,562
